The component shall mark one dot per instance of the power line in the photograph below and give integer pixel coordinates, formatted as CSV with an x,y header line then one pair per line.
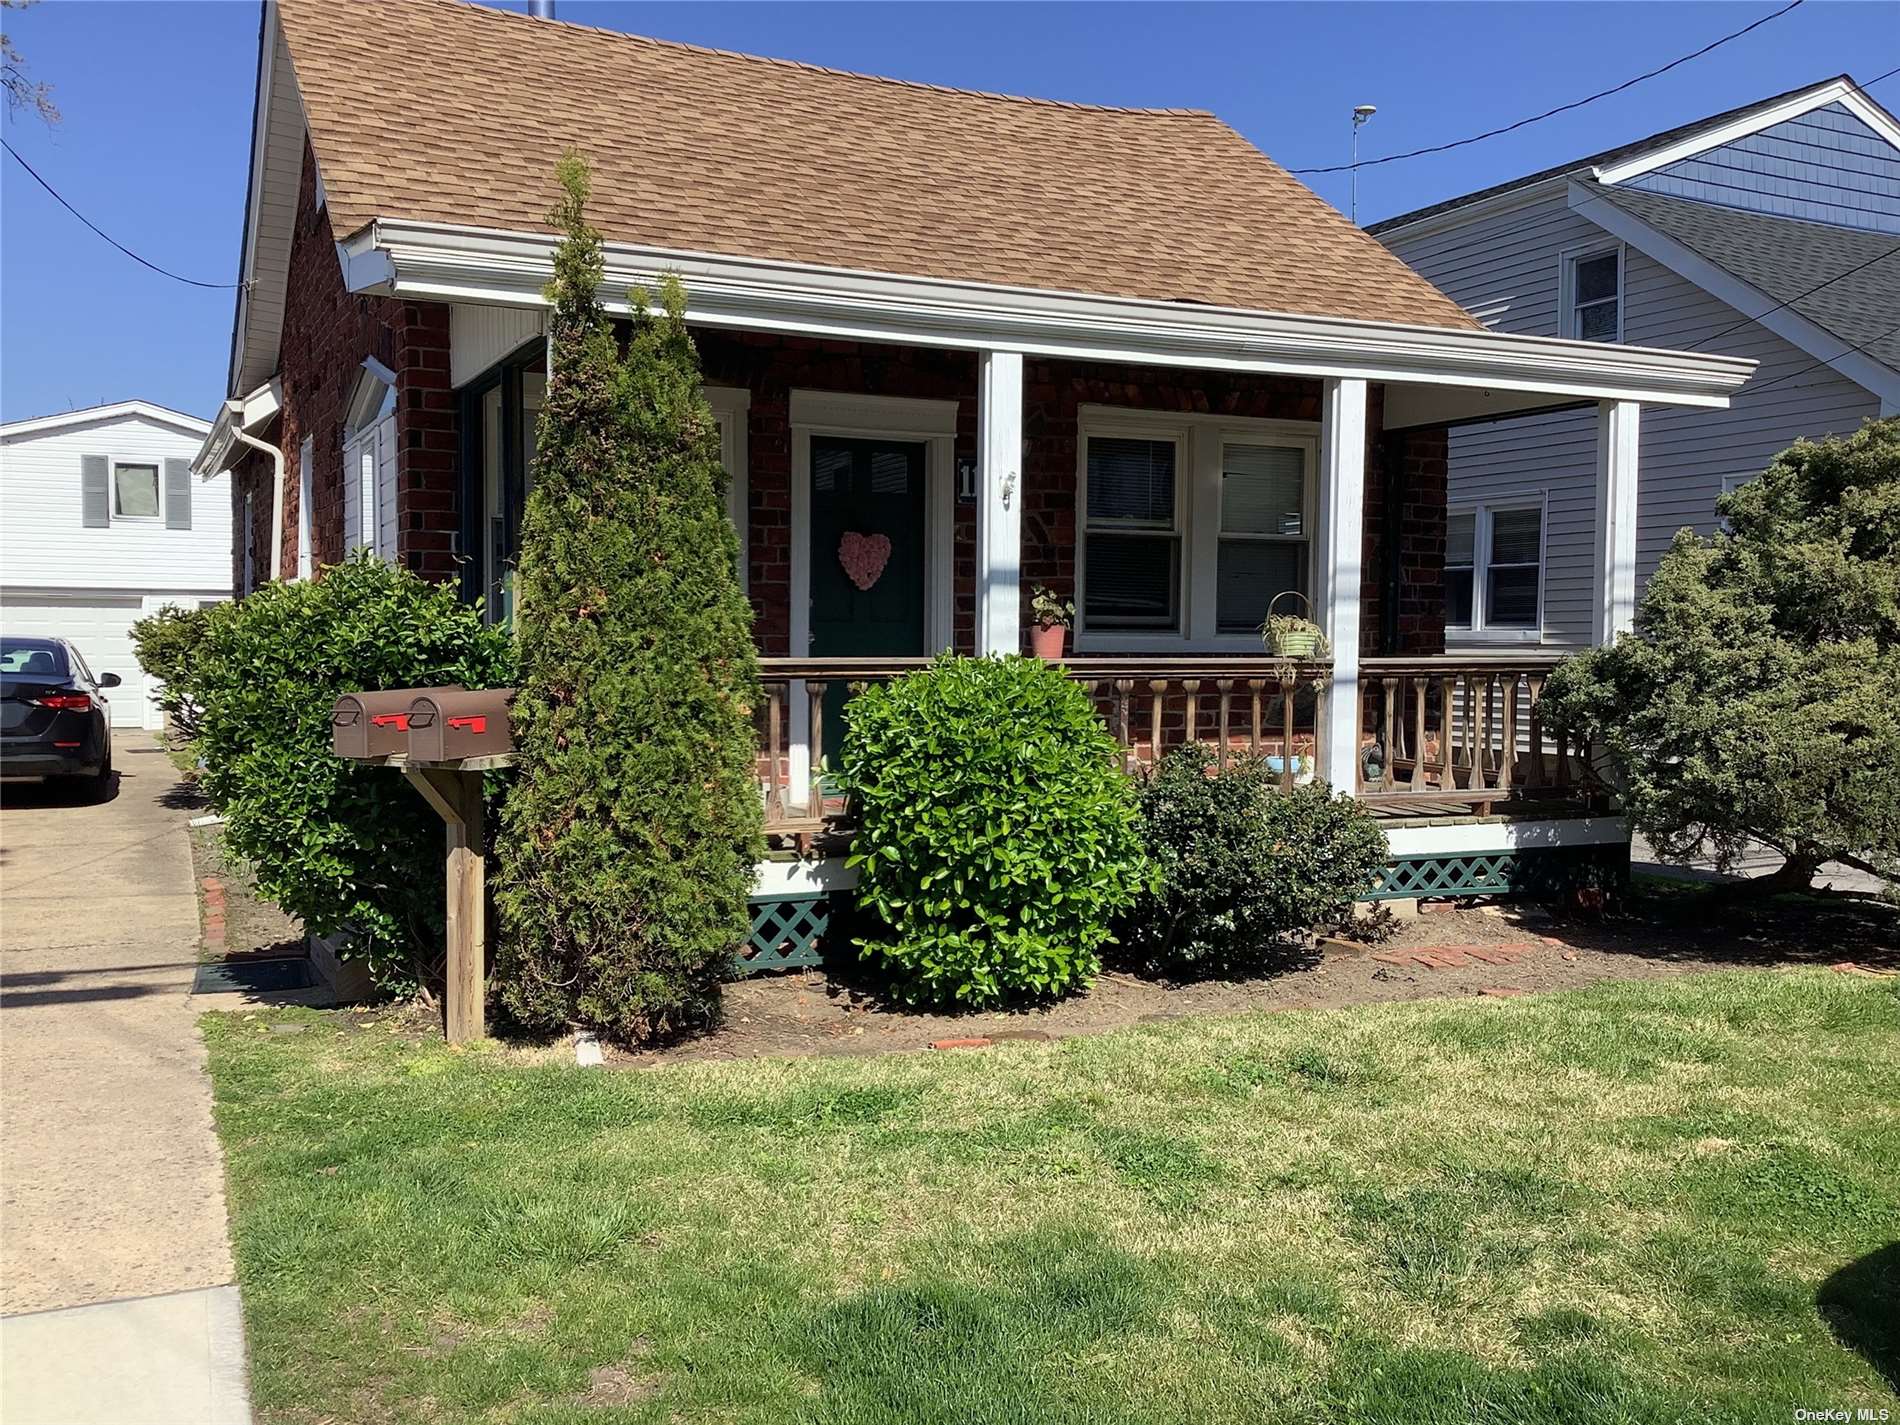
x,y
162,271
1817,365
1561,108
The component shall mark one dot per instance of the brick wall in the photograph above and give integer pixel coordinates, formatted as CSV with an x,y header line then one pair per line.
x,y
328,332
771,366
1405,509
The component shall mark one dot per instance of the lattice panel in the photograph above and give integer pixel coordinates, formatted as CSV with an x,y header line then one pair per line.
x,y
787,933
1484,873
1541,871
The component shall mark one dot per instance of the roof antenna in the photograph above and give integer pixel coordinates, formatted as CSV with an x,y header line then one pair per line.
x,y
541,9
1359,115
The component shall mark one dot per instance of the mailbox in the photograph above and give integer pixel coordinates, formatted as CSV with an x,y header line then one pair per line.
x,y
366,726
451,725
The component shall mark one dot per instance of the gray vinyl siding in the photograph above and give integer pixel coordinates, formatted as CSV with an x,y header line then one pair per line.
x,y
1825,166
1507,269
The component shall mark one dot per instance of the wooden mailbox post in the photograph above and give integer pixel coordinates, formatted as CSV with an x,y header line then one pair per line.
x,y
444,740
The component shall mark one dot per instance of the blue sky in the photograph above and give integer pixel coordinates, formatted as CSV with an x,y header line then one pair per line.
x,y
156,96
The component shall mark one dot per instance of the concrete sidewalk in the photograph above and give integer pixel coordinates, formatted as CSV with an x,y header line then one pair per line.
x,y
111,1183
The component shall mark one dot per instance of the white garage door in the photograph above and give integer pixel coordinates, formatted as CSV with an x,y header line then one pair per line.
x,y
99,626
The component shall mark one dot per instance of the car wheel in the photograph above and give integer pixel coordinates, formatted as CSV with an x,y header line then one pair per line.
x,y
99,785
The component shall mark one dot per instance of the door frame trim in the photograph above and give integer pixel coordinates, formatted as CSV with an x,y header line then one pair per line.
x,y
854,416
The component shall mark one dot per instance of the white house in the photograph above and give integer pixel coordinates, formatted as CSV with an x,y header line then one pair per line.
x,y
1770,232
101,523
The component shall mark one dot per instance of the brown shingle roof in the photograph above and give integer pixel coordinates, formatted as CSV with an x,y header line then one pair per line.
x,y
444,111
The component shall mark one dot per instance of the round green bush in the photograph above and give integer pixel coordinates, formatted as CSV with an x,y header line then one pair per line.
x,y
997,834
1241,864
342,847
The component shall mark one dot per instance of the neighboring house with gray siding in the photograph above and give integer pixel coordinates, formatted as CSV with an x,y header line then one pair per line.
x,y
1771,232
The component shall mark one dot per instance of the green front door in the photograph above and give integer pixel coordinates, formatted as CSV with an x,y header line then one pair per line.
x,y
867,556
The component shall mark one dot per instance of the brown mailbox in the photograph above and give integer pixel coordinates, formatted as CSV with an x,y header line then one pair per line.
x,y
366,726
452,725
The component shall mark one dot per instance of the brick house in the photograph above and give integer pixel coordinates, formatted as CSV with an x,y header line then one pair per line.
x,y
1117,353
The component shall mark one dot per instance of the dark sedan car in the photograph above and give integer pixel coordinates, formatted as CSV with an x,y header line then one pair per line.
x,y
54,722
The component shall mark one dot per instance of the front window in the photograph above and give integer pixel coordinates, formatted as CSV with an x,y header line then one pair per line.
x,y
1262,532
1133,541
135,491
1192,525
1596,297
502,411
1494,568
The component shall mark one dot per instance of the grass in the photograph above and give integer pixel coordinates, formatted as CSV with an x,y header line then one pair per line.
x,y
1639,1203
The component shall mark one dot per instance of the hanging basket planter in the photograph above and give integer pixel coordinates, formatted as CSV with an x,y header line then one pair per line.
x,y
1292,634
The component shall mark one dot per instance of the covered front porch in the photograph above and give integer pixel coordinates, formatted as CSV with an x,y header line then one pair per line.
x,y
912,458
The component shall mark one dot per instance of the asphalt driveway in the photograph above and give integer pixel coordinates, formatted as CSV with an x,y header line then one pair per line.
x,y
111,1184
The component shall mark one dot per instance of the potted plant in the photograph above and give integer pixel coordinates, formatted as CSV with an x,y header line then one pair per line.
x,y
1292,635
1055,616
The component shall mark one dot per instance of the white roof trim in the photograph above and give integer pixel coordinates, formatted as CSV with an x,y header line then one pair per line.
x,y
163,415
276,170
241,413
1823,345
1836,91
442,262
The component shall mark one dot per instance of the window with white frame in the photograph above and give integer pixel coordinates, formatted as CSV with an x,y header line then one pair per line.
x,y
1263,538
135,490
306,496
369,475
1132,547
1190,525
1494,568
1593,295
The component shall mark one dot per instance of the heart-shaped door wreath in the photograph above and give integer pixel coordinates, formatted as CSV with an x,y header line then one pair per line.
x,y
864,557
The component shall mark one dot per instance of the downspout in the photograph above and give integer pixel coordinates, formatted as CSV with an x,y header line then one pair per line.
x,y
276,502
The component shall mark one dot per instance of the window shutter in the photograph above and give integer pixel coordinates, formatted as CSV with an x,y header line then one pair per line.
x,y
177,494
95,492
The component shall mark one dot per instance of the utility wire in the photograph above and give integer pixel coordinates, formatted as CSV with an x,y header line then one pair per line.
x,y
1561,108
162,271
1817,365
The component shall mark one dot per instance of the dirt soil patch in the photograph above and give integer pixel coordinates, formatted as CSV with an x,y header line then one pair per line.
x,y
1456,952
234,922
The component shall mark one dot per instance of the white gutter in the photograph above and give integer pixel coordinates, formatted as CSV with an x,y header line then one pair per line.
x,y
445,262
276,499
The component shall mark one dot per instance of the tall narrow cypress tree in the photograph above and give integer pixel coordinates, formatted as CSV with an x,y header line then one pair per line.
x,y
630,833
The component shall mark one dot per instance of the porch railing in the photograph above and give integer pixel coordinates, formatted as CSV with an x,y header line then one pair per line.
x,y
1463,729
1257,705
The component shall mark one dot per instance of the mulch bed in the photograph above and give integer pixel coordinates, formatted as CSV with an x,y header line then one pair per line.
x,y
1469,951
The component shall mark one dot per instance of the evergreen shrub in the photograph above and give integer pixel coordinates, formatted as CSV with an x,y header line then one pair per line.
x,y
1242,865
632,828
997,835
343,847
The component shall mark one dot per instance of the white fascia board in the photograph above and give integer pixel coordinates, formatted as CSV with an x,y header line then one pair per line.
x,y
1746,298
162,415
1449,219
241,413
443,263
1835,91
1520,835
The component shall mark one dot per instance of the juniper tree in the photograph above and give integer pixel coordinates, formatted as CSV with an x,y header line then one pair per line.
x,y
1759,699
630,833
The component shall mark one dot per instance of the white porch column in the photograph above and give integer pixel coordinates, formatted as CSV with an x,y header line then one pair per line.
x,y
1614,584
999,509
1340,551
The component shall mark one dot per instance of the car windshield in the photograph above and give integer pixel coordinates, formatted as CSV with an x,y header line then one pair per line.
x,y
33,658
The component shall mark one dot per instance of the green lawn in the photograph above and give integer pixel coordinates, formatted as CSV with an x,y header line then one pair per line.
x,y
1653,1202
